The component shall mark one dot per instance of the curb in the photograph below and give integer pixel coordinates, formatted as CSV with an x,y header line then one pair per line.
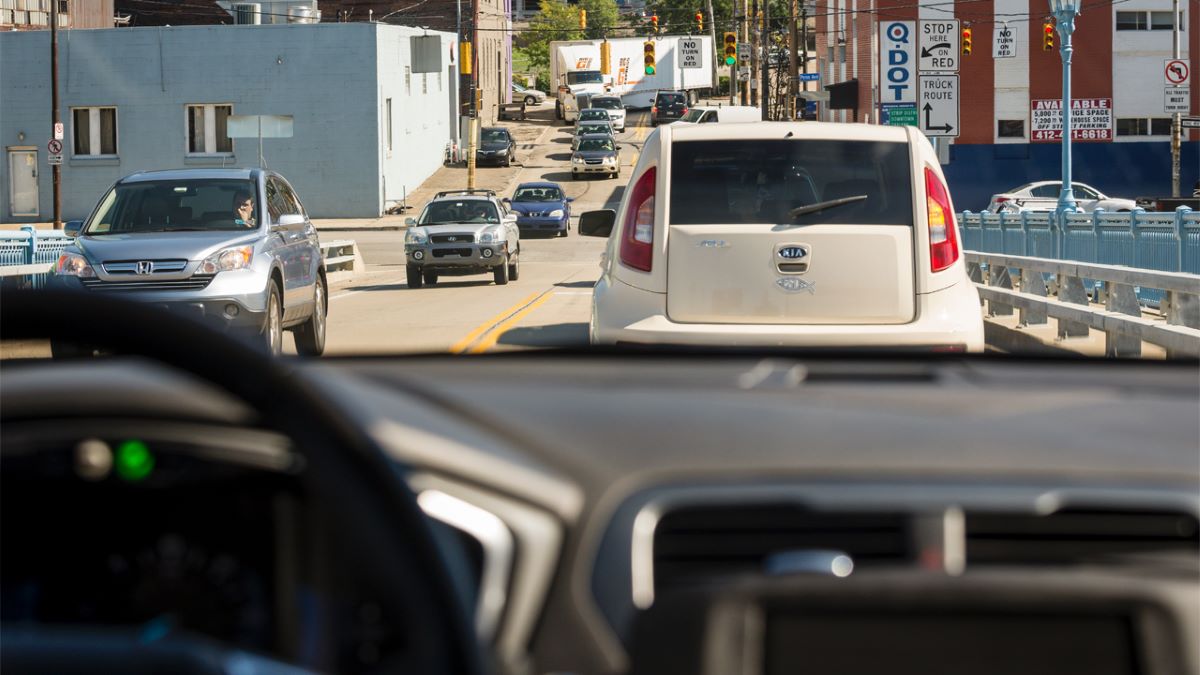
x,y
361,228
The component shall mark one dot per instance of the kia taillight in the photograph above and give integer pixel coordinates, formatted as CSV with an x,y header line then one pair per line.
x,y
943,243
654,110
637,237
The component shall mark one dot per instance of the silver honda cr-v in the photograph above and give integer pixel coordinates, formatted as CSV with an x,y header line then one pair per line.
x,y
231,247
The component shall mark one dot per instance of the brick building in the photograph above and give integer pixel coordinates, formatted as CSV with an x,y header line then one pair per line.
x,y
1119,56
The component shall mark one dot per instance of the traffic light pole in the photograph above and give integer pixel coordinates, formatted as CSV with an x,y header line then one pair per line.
x,y
56,170
764,90
1176,121
793,87
754,55
712,35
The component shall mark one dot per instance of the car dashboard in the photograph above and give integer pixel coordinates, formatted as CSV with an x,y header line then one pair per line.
x,y
646,513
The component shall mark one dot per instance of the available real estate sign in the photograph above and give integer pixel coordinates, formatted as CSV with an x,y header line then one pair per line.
x,y
1091,119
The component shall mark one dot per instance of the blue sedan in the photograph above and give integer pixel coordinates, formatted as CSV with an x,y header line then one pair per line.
x,y
541,207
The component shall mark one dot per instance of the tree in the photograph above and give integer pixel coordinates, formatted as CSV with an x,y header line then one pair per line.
x,y
560,21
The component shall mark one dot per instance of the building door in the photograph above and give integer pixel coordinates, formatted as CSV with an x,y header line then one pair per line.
x,y
22,183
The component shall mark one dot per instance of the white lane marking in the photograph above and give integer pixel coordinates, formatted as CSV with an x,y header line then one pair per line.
x,y
343,295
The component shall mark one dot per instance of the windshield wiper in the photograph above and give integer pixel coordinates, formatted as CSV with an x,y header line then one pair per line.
x,y
821,206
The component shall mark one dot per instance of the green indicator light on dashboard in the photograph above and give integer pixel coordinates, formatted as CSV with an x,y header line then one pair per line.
x,y
134,461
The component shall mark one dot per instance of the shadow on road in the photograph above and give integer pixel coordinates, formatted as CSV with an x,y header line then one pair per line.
x,y
560,157
575,284
554,335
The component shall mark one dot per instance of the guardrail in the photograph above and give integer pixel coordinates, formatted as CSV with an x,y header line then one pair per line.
x,y
1042,288
342,259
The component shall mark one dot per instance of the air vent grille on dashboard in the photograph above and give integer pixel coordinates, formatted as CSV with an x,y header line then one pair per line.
x,y
1077,536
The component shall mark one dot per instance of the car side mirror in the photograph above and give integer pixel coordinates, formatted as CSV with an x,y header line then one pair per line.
x,y
597,223
411,222
72,228
506,200
290,219
570,199
510,218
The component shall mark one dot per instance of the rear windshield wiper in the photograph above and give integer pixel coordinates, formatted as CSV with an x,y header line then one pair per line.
x,y
821,206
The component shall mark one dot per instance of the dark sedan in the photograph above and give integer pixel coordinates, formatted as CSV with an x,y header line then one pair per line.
x,y
496,146
541,207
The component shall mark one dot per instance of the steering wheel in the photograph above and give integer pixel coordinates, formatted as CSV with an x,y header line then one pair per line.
x,y
362,488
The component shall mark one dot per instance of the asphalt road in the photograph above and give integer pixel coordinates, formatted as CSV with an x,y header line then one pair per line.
x,y
547,306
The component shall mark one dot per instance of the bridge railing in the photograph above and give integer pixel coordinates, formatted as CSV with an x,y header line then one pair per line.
x,y
1042,288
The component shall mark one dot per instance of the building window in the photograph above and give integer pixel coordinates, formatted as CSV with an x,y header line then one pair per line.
x,y
1160,126
388,113
1140,126
208,129
1010,128
408,80
1142,20
94,132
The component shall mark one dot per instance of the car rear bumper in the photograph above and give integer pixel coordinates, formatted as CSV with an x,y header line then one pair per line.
x,y
948,318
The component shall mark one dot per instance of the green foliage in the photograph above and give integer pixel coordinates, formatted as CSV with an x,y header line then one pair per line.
x,y
560,21
676,17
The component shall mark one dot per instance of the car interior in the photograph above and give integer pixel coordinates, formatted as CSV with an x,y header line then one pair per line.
x,y
188,506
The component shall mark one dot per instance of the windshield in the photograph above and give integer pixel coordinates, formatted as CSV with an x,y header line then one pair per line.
x,y
592,144
585,77
465,211
607,103
538,194
494,136
165,206
593,129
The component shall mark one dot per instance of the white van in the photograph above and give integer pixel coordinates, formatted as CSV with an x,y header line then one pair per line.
x,y
785,233
733,113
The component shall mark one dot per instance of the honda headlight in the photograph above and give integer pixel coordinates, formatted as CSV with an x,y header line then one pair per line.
x,y
415,237
556,213
236,258
73,265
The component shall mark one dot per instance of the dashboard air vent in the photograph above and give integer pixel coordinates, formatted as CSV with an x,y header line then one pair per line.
x,y
1078,536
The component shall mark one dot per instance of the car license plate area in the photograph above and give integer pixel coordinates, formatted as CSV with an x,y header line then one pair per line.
x,y
452,253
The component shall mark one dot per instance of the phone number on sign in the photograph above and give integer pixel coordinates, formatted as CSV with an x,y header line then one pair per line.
x,y
1076,135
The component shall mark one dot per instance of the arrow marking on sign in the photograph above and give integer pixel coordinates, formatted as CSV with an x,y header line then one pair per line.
x,y
926,53
929,123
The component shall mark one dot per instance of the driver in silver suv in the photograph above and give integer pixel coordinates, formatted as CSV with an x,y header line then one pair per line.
x,y
231,247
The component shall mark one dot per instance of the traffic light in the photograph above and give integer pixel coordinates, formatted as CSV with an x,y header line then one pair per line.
x,y
730,49
700,22
464,58
654,24
605,58
966,42
1048,36
583,19
648,53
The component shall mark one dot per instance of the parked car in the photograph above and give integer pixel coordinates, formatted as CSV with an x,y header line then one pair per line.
x,y
529,96
785,233
231,247
462,232
597,153
733,113
668,107
496,146
615,108
591,129
541,207
1043,196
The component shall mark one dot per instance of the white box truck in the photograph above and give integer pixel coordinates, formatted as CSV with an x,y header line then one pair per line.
x,y
683,63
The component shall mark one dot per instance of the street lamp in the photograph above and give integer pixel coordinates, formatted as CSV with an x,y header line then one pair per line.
x,y
1064,12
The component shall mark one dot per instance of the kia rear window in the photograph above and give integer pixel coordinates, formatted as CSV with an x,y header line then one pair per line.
x,y
763,181
670,99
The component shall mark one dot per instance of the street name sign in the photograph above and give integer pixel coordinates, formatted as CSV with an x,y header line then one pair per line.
x,y
938,45
899,114
937,106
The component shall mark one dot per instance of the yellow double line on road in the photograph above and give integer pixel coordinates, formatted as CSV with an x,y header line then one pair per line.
x,y
486,334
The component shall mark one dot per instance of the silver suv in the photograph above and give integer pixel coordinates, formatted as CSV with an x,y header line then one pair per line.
x,y
463,232
231,247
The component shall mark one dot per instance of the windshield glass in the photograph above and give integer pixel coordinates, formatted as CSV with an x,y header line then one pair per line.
x,y
494,136
591,144
538,194
585,77
164,206
594,129
465,211
607,103
761,181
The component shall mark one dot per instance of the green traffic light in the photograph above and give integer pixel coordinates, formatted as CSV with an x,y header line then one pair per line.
x,y
649,70
134,461
729,60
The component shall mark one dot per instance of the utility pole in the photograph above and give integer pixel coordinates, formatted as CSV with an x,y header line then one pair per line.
x,y
716,53
55,170
765,41
755,57
804,39
793,88
473,122
1176,122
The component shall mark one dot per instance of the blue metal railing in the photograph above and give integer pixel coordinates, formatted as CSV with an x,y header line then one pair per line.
x,y
31,247
1158,241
